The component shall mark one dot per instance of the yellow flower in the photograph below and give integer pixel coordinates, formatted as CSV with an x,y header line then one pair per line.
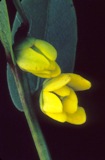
x,y
37,57
59,101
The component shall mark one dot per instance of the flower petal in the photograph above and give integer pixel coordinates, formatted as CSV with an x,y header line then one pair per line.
x,y
49,73
56,83
79,117
61,117
78,83
44,74
70,102
46,48
51,103
56,71
32,61
63,91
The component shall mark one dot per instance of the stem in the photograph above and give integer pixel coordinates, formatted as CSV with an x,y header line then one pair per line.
x,y
30,115
20,10
38,82
22,31
25,97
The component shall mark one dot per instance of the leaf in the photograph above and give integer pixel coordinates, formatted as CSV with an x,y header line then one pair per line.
x,y
5,32
13,89
61,31
36,12
55,22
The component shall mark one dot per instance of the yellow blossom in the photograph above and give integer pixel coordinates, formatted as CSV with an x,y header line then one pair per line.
x,y
37,57
59,101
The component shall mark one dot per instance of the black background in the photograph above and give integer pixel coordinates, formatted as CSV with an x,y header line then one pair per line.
x,y
65,142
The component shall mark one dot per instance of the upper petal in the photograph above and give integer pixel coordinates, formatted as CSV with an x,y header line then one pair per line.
x,y
56,83
79,83
46,48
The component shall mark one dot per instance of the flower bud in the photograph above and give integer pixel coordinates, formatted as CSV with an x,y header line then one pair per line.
x,y
37,57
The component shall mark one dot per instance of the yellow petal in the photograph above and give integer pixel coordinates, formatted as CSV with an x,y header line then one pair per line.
x,y
54,69
78,83
70,102
63,91
51,103
32,61
44,74
46,48
56,83
61,117
50,73
77,118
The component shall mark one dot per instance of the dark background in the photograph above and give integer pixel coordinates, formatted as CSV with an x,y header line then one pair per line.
x,y
65,142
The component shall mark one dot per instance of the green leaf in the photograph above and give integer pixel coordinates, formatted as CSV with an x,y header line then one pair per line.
x,y
13,89
36,12
61,31
5,32
54,21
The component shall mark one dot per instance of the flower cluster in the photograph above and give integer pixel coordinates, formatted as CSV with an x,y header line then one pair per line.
x,y
58,99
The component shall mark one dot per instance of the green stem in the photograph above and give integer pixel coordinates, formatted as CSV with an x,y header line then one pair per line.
x,y
25,97
38,82
21,12
30,115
